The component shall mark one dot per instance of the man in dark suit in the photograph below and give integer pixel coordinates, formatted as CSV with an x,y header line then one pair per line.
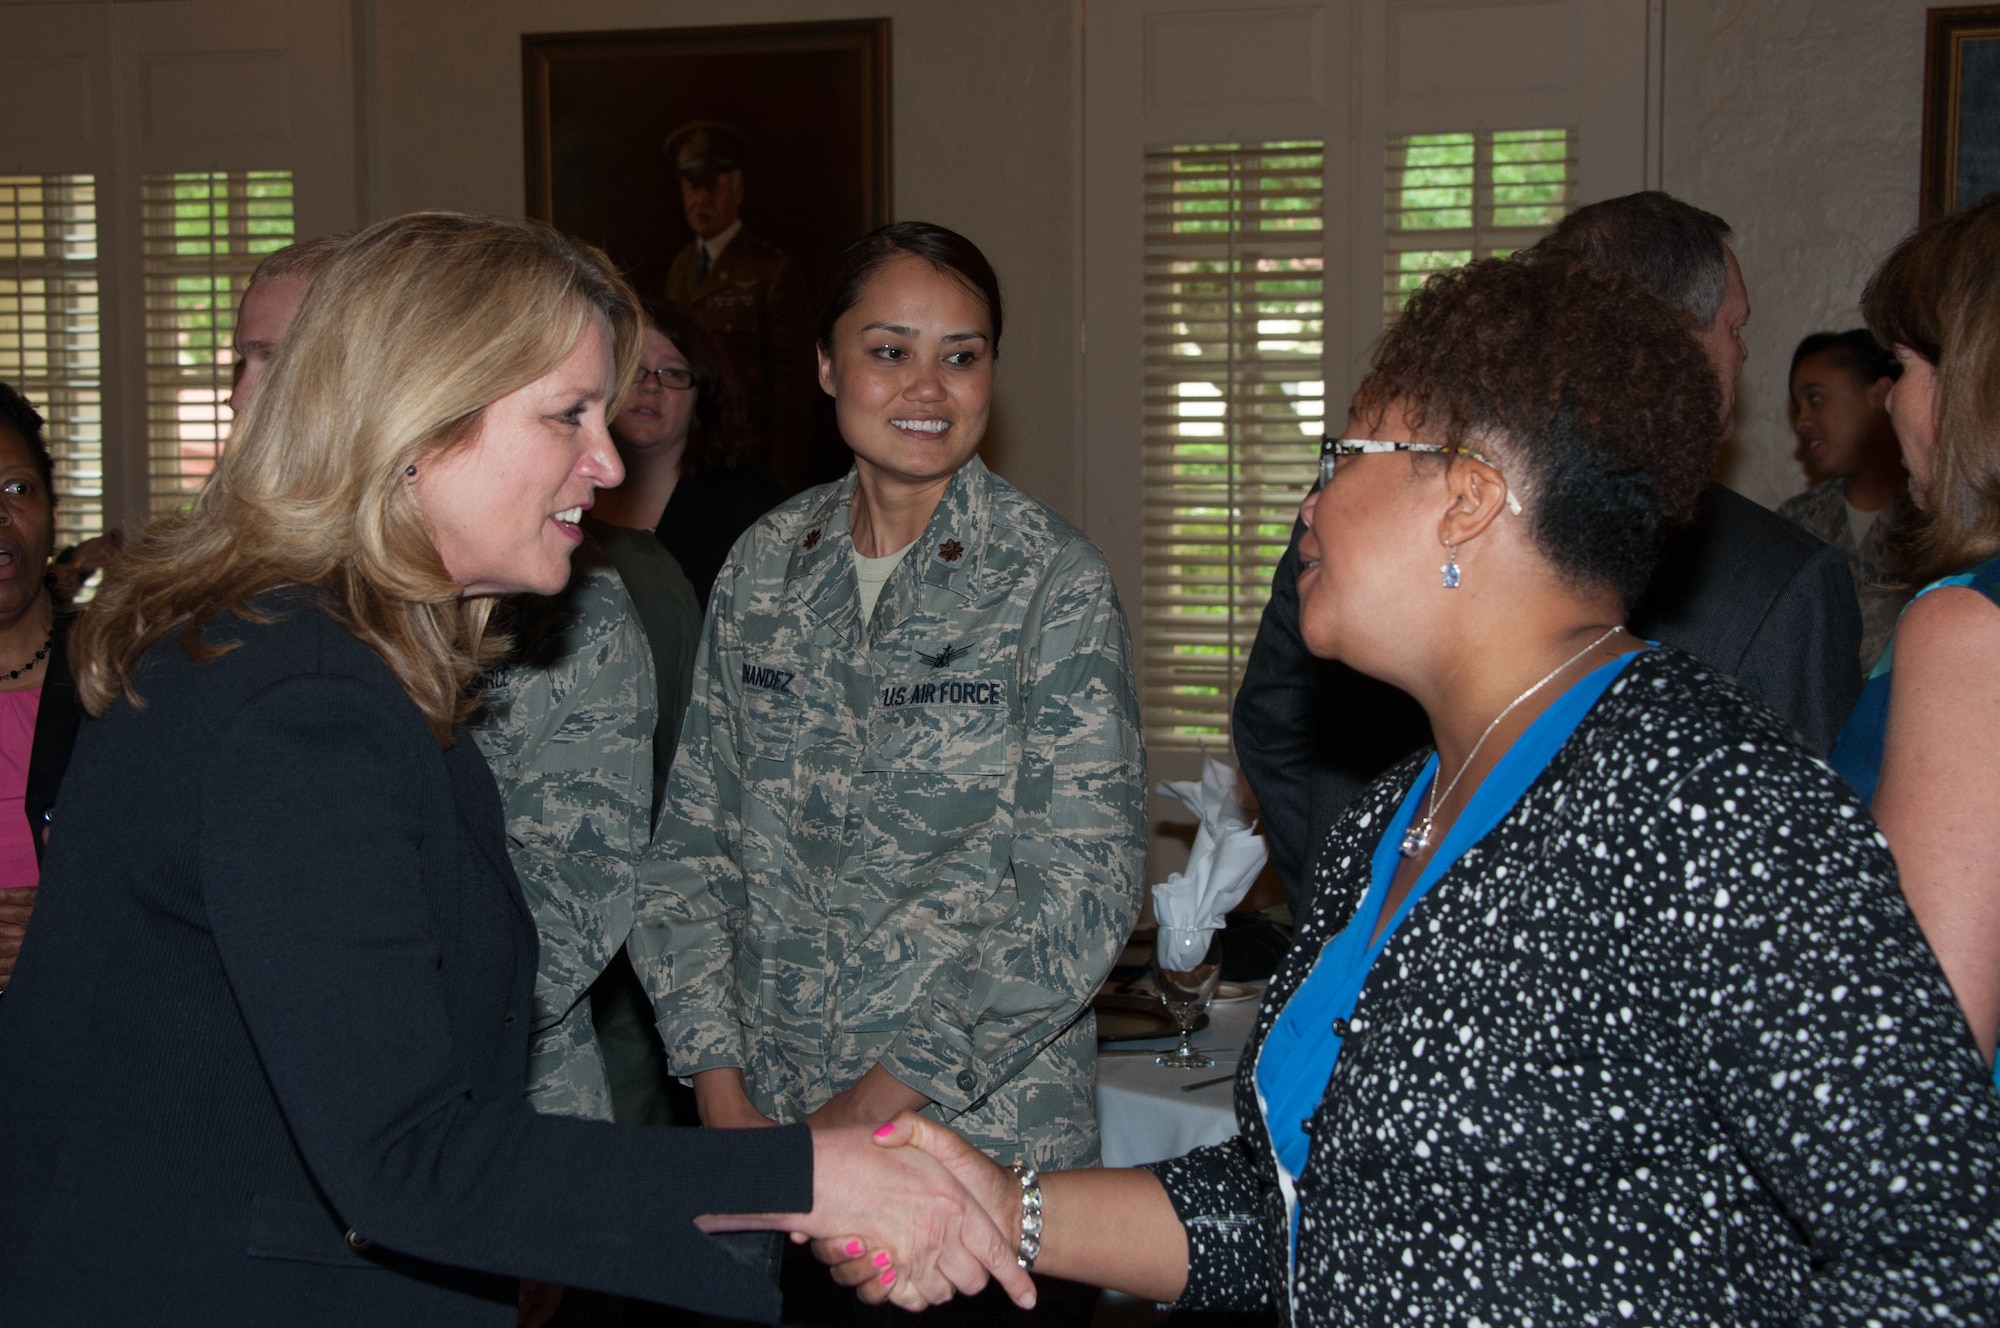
x,y
749,294
1740,587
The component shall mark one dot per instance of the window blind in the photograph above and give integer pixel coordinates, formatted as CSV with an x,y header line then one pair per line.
x,y
1456,197
204,234
49,334
1235,403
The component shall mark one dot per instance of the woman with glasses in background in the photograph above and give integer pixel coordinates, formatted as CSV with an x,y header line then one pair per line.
x,y
680,433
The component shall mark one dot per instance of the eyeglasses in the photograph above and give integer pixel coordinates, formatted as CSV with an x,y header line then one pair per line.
x,y
680,380
1332,449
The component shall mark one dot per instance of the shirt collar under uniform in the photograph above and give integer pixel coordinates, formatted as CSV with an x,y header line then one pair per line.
x,y
949,554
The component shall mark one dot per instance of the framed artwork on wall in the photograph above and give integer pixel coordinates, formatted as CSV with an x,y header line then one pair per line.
x,y
1961,108
657,145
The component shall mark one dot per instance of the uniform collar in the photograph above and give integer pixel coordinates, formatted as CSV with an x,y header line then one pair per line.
x,y
947,555
720,242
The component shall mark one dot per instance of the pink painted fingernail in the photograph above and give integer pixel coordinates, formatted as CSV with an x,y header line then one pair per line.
x,y
888,1276
885,1131
853,1248
881,1258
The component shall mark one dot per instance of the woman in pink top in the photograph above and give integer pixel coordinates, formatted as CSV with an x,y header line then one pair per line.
x,y
28,631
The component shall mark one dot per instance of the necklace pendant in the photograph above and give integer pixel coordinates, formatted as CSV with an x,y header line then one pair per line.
x,y
1414,840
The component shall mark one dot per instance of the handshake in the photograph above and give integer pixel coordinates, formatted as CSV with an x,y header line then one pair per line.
x,y
913,1214
908,1213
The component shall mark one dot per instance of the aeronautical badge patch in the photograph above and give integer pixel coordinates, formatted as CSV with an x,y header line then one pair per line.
x,y
944,657
951,550
812,540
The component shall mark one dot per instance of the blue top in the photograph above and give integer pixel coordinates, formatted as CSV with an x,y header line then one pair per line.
x,y
1299,1053
1857,752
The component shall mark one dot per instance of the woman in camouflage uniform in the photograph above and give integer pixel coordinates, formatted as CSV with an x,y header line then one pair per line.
x,y
902,841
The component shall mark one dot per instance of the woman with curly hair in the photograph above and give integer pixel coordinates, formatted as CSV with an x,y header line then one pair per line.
x,y
1919,747
1608,1008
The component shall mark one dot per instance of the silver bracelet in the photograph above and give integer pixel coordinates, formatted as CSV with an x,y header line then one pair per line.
x,y
1031,1213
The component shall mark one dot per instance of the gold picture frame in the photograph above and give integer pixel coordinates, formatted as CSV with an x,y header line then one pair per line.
x,y
1961,152
812,99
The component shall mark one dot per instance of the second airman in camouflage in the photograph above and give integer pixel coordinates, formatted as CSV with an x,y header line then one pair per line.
x,y
567,725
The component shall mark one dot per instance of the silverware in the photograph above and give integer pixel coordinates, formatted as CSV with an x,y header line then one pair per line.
x,y
1207,1083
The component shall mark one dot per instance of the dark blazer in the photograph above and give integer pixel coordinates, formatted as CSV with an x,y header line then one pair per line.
x,y
265,1049
56,720
1740,588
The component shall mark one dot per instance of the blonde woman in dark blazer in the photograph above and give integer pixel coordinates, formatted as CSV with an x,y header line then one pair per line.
x,y
264,1048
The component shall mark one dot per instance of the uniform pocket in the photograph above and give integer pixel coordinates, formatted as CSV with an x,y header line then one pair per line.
x,y
773,712
958,726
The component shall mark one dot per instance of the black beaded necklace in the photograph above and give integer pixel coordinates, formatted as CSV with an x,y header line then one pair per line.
x,y
29,667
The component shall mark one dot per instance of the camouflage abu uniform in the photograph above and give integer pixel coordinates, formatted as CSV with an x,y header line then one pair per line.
x,y
1822,511
916,841
567,725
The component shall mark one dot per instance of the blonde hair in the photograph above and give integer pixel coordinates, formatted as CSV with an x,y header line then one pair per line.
x,y
404,338
1938,294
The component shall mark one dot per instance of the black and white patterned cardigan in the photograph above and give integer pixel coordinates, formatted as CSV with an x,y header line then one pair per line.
x,y
1665,1047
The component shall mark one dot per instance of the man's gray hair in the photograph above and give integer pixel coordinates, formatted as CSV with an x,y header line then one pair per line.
x,y
1674,247
303,259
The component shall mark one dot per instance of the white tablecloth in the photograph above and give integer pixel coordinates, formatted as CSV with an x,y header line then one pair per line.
x,y
1141,1111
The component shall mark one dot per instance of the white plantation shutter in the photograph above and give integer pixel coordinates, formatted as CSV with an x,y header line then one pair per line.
x,y
49,334
1235,403
204,234
1456,197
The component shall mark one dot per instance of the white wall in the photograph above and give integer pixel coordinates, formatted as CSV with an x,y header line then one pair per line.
x,y
1800,122
982,101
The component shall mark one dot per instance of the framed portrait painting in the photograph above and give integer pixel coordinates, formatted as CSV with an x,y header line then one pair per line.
x,y
1961,108
723,167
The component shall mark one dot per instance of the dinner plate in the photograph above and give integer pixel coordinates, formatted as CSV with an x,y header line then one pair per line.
x,y
1125,1018
1225,992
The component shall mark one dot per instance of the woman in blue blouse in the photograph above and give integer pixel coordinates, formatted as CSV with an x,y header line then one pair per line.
x,y
1919,747
1608,1009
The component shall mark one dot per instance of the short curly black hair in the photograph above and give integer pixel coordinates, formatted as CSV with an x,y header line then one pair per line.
x,y
24,419
1580,383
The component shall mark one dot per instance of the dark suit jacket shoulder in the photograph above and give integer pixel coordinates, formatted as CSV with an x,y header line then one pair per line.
x,y
265,1047
1767,603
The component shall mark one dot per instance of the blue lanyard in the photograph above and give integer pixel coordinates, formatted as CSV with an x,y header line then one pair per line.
x,y
1298,1055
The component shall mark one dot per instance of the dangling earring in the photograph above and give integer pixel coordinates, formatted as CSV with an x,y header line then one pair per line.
x,y
1450,568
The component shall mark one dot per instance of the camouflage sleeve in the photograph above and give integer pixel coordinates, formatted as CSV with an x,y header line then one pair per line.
x,y
691,885
1078,851
567,726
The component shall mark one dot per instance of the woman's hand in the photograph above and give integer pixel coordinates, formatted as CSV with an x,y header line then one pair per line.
x,y
874,1098
1115,1228
725,1104
853,1263
904,1203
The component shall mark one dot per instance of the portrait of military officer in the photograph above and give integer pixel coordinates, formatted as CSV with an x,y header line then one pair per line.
x,y
751,296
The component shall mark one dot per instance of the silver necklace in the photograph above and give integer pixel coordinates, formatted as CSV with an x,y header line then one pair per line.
x,y
1418,837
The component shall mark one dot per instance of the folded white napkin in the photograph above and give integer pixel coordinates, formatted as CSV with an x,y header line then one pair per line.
x,y
1226,858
